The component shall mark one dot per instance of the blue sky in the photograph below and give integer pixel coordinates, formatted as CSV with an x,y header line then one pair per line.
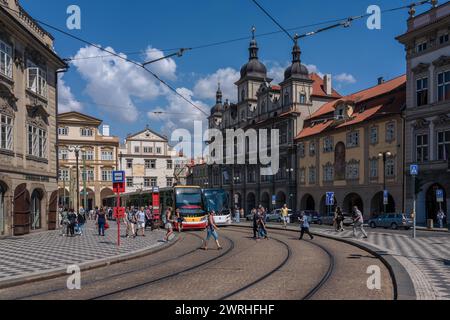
x,y
121,95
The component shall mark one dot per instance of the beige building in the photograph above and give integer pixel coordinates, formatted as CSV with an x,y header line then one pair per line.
x,y
147,160
97,160
28,108
427,135
353,147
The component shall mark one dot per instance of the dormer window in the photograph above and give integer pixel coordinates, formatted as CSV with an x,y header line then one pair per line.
x,y
340,112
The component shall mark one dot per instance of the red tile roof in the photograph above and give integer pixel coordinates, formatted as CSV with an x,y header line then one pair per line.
x,y
310,131
319,89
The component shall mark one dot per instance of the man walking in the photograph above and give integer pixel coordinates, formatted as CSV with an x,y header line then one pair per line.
x,y
358,222
140,216
255,222
211,232
440,217
304,225
285,215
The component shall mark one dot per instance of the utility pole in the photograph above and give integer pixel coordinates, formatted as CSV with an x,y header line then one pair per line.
x,y
84,181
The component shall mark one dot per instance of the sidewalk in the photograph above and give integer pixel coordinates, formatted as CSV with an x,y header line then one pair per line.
x,y
425,259
48,254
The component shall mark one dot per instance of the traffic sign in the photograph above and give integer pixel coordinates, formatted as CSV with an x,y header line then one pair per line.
x,y
119,213
118,176
274,200
440,195
155,189
385,197
414,169
330,199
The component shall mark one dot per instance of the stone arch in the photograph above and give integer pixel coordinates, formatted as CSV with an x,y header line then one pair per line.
x,y
3,191
90,198
308,202
37,209
281,199
352,199
377,204
431,205
265,200
251,201
64,197
106,192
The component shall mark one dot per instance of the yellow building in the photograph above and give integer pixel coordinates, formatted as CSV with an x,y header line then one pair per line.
x,y
96,161
353,147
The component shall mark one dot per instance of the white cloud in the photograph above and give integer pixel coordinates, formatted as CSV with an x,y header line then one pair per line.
x,y
66,99
345,78
206,87
165,68
312,68
276,72
113,81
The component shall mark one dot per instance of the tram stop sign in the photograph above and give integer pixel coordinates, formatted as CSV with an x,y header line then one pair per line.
x,y
414,169
385,197
440,195
119,213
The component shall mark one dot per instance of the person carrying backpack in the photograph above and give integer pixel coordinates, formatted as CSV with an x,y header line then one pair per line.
x,y
81,218
339,219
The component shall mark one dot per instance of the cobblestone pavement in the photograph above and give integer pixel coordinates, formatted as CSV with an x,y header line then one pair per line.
x,y
48,251
427,259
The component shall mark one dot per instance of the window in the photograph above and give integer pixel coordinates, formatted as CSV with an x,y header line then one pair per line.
x,y
312,149
5,59
63,154
87,175
283,134
353,139
146,182
158,150
106,175
286,98
130,182
421,47
373,168
390,132
6,132
444,86
422,147
86,132
150,164
312,175
107,155
302,176
148,150
443,38
169,181
328,144
374,135
87,155
390,167
443,145
63,131
129,163
37,79
328,173
154,182
169,164
352,170
63,175
136,149
301,150
422,91
302,98
37,142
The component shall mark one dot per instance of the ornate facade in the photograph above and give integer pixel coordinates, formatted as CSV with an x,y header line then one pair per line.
x,y
28,131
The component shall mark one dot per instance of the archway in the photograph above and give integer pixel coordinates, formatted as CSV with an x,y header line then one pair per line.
x,y
308,203
36,209
21,210
352,200
237,200
64,198
432,206
52,211
377,204
90,199
251,202
281,199
107,192
265,200
327,210
3,189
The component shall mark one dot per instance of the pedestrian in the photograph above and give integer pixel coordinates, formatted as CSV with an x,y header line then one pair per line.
x,y
140,216
262,231
81,219
255,223
64,222
131,222
101,221
238,215
285,215
148,217
179,220
242,214
304,225
72,220
211,230
110,214
169,225
339,219
358,222
440,217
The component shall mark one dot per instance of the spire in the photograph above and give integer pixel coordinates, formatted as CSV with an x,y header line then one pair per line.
x,y
296,52
253,49
219,95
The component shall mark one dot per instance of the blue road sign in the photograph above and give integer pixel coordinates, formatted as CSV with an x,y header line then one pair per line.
x,y
118,176
440,195
414,169
155,189
274,200
385,197
330,199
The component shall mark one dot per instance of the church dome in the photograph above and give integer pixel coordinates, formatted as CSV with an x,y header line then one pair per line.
x,y
297,70
254,67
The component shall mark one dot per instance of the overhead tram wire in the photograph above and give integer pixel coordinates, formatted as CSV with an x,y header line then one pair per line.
x,y
118,56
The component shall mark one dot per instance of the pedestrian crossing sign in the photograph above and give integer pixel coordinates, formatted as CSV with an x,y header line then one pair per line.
x,y
414,169
440,195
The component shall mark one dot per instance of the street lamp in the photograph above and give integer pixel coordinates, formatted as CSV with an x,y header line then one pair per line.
x,y
384,155
77,150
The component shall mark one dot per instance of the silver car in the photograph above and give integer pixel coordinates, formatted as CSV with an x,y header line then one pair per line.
x,y
391,220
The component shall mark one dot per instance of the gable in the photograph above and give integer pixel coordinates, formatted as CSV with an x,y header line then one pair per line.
x,y
78,118
148,135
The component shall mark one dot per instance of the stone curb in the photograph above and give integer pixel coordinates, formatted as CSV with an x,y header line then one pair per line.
x,y
59,272
403,285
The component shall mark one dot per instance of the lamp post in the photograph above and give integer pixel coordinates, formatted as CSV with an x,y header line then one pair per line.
x,y
290,171
236,180
384,156
77,150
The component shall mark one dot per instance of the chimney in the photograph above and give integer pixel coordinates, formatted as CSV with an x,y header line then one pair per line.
x,y
380,80
327,84
105,130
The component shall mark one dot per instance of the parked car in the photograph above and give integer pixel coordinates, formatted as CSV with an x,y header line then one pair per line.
x,y
391,220
276,216
329,220
249,217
